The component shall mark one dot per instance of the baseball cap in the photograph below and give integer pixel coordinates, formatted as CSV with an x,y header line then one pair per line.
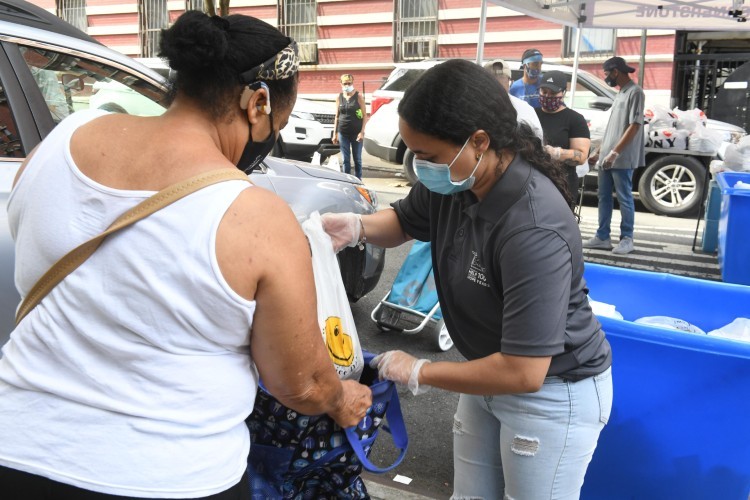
x,y
497,66
531,55
617,63
556,81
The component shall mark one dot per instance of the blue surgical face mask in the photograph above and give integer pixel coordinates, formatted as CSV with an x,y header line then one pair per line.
x,y
533,73
437,176
347,88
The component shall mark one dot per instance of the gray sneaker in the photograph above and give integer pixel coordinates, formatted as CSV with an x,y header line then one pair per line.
x,y
597,243
624,247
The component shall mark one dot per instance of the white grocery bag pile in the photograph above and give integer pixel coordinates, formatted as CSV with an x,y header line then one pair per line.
x,y
680,130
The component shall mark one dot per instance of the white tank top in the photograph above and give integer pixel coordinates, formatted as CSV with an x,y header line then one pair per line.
x,y
133,376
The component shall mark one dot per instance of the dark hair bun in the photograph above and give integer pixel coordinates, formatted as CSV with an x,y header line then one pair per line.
x,y
195,42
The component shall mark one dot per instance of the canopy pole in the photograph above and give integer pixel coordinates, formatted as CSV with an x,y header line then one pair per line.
x,y
642,68
482,26
574,76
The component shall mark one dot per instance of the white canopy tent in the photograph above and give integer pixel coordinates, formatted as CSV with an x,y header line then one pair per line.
x,y
693,15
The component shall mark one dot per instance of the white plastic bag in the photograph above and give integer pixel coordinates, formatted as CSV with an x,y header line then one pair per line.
x,y
582,169
705,140
671,323
603,309
667,138
315,159
334,314
739,329
658,116
333,163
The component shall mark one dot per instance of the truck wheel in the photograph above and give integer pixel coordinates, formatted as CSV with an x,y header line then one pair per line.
x,y
409,172
672,185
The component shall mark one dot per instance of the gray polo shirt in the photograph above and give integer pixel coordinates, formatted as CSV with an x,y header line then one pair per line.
x,y
627,109
509,271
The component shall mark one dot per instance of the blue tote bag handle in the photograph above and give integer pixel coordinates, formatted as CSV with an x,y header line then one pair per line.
x,y
396,428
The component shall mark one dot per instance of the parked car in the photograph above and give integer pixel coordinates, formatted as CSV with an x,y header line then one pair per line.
x,y
670,183
30,36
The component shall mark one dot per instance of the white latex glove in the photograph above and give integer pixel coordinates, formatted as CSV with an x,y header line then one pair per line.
x,y
344,229
402,368
554,152
609,160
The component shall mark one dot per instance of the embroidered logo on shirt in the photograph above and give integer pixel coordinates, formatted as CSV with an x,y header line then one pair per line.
x,y
477,273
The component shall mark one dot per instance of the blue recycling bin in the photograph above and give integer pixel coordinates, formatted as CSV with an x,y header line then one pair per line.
x,y
680,423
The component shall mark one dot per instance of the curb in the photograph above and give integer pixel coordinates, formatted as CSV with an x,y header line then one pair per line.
x,y
379,491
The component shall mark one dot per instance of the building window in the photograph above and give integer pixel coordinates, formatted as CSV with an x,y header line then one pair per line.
x,y
152,18
195,5
73,12
298,19
594,42
416,29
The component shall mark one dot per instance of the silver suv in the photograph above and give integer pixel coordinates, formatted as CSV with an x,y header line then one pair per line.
x,y
670,183
49,70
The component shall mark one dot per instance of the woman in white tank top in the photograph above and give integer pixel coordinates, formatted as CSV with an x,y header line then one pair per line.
x,y
133,377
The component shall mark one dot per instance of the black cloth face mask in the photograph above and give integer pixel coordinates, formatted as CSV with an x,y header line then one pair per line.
x,y
256,152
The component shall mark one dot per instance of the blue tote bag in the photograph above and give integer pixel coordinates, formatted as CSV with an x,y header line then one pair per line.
x,y
309,456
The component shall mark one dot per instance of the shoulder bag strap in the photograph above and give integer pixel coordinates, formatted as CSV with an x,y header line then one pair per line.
x,y
70,261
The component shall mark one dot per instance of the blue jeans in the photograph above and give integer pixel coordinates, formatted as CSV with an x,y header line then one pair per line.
x,y
351,147
622,181
529,446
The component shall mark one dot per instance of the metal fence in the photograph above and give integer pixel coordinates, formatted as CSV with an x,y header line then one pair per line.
x,y
298,19
74,12
152,18
699,82
416,29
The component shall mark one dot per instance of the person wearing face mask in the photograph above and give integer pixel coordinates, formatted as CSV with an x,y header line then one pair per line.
x,y
566,133
536,389
621,152
527,88
349,125
501,71
134,376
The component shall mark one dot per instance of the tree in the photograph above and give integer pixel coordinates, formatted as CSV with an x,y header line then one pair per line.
x,y
211,7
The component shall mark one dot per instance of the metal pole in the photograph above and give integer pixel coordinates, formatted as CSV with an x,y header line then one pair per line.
x,y
696,76
482,28
574,76
642,69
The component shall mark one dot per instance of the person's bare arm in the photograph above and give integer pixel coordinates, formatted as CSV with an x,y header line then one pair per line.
x,y
364,116
577,153
264,255
495,374
384,229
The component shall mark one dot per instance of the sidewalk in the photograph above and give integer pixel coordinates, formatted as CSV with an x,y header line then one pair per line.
x,y
378,490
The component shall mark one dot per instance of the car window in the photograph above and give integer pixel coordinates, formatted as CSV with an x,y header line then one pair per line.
x,y
401,79
585,93
70,83
10,142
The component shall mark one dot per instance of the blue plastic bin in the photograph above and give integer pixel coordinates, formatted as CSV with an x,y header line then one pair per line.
x,y
680,422
734,228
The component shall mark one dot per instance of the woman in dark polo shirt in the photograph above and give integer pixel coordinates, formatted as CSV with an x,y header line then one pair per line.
x,y
536,389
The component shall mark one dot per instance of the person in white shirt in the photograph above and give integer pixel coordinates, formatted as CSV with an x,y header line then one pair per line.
x,y
526,113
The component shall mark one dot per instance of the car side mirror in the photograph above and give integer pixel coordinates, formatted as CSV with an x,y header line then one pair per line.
x,y
603,103
73,82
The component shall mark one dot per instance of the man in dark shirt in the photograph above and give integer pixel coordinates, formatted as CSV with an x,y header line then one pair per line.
x,y
566,134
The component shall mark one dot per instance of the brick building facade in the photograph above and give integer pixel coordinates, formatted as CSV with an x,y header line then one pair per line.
x,y
366,37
